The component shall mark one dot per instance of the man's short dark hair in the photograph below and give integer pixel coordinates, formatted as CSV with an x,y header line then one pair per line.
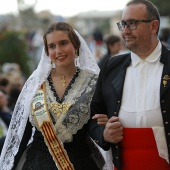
x,y
152,11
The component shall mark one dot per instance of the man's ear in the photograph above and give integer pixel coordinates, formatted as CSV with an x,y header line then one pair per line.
x,y
154,26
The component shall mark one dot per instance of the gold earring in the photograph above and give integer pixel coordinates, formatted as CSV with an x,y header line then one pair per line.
x,y
76,53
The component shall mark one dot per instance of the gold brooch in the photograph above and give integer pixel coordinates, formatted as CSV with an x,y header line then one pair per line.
x,y
165,79
60,108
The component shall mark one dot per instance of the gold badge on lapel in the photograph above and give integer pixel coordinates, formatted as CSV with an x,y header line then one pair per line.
x,y
165,80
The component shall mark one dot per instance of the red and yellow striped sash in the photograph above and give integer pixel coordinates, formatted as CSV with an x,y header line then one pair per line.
x,y
46,126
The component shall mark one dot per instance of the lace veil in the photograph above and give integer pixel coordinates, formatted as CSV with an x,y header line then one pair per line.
x,y
23,105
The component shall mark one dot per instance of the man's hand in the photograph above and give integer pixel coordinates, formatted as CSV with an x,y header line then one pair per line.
x,y
102,119
113,131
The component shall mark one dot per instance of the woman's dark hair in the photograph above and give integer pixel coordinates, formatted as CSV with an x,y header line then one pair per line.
x,y
152,11
67,28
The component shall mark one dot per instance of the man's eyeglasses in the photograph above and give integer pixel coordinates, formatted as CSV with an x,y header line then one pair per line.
x,y
131,24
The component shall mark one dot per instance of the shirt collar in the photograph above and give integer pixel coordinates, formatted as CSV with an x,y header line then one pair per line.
x,y
154,56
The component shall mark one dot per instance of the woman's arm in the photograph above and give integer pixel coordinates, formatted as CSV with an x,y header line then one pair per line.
x,y
102,119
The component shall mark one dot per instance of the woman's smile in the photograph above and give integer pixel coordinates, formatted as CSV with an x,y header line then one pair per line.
x,y
61,58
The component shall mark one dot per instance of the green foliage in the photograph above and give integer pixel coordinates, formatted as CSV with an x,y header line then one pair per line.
x,y
163,6
13,49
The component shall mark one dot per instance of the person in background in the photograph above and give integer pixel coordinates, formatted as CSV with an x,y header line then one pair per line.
x,y
11,90
5,118
133,90
99,49
98,36
165,37
5,85
13,96
55,100
113,44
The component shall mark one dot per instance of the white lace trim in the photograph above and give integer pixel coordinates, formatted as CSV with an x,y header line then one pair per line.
x,y
159,135
86,59
79,96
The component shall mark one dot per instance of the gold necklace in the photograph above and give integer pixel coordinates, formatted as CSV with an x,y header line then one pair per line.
x,y
63,81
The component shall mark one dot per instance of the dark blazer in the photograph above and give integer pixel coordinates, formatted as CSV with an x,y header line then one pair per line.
x,y
108,95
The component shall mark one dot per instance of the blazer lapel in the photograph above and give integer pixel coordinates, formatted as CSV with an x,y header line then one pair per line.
x,y
119,79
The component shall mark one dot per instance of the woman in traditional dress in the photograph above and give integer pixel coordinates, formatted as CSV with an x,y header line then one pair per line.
x,y
54,108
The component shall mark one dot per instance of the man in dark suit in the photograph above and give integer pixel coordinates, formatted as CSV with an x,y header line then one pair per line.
x,y
133,90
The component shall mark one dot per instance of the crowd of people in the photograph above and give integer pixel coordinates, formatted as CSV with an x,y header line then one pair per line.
x,y
11,82
77,113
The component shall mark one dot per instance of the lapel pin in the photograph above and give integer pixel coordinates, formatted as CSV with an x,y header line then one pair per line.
x,y
165,79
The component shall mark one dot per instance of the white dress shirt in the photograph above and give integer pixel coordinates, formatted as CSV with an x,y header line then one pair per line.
x,y
141,94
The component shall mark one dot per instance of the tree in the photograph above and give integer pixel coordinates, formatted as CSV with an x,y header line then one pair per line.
x,y
13,49
163,6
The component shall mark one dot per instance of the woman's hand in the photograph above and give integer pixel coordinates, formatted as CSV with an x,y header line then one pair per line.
x,y
102,119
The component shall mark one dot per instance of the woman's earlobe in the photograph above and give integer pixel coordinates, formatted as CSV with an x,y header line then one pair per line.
x,y
77,53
